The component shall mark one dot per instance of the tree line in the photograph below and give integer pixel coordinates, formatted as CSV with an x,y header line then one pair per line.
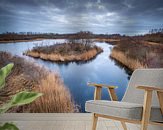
x,y
153,31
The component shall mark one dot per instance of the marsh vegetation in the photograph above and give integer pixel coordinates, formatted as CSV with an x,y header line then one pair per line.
x,y
138,54
33,77
65,52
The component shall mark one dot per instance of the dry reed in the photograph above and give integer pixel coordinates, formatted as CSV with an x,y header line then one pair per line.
x,y
127,61
65,52
32,77
138,54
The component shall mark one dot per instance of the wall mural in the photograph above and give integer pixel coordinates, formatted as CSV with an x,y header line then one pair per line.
x,y
58,47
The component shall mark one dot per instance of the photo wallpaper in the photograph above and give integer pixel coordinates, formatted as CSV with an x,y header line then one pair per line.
x,y
51,50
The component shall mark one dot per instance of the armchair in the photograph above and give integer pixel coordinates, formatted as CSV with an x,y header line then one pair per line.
x,y
142,103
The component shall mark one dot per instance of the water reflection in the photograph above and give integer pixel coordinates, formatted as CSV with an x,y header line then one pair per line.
x,y
127,70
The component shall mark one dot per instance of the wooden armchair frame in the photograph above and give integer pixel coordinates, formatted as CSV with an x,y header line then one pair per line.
x,y
146,107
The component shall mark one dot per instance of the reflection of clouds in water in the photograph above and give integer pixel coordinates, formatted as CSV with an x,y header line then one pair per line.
x,y
78,72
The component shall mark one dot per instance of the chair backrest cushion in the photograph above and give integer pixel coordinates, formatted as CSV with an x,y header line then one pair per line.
x,y
146,77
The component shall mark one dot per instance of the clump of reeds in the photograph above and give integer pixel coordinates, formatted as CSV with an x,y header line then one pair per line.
x,y
32,77
56,95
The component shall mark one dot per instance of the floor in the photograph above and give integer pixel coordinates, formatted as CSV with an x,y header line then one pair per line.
x,y
60,121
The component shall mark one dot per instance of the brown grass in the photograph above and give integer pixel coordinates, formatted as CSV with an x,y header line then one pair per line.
x,y
155,37
138,54
29,76
57,57
56,97
65,52
108,40
127,61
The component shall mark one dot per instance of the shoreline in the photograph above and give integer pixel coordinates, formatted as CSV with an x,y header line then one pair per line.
x,y
130,63
112,41
138,54
38,39
14,41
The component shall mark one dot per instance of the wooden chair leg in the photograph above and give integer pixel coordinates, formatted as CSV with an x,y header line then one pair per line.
x,y
94,123
160,98
146,110
124,125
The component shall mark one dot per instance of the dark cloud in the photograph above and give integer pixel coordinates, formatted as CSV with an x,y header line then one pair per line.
x,y
100,16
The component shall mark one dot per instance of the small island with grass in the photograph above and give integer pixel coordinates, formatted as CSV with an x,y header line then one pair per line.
x,y
65,52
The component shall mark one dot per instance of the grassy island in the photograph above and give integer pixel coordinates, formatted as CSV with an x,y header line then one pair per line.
x,y
65,52
32,77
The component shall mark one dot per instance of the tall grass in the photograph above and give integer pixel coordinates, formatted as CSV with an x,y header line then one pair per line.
x,y
138,54
32,77
56,97
153,37
127,61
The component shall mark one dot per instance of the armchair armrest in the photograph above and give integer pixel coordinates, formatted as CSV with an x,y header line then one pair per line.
x,y
101,85
149,88
97,94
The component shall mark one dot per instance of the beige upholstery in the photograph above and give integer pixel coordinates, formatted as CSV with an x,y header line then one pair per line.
x,y
144,77
131,111
131,106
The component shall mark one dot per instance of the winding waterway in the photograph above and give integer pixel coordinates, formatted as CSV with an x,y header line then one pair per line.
x,y
101,69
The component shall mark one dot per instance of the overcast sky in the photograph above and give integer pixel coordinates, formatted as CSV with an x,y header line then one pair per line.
x,y
68,16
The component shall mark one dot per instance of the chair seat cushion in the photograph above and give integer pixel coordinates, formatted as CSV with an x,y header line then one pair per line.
x,y
131,111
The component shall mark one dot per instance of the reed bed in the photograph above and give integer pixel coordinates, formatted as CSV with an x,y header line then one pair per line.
x,y
127,61
32,77
138,54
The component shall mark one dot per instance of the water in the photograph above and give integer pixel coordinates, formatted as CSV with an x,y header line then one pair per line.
x,y
102,69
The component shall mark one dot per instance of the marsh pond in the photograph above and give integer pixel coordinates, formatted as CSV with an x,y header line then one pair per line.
x,y
101,69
